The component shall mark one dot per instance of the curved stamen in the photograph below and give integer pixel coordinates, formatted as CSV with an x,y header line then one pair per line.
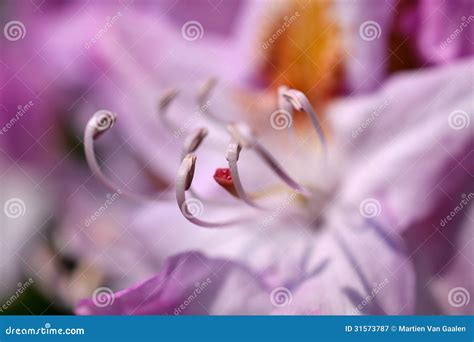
x,y
190,145
300,102
246,138
100,122
232,156
192,208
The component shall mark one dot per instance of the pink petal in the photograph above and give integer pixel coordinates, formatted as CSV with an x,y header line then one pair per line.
x,y
190,284
400,145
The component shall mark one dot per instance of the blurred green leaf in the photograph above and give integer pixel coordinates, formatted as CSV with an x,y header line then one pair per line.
x,y
33,302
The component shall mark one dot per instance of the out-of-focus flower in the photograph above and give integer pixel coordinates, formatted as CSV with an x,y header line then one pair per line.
x,y
311,240
189,283
23,213
452,286
430,111
446,31
352,47
38,85
397,35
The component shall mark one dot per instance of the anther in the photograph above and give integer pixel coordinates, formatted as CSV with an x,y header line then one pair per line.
x,y
188,165
166,99
205,90
163,106
194,140
190,145
283,103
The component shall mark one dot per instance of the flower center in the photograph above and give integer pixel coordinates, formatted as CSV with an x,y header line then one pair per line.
x,y
242,138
